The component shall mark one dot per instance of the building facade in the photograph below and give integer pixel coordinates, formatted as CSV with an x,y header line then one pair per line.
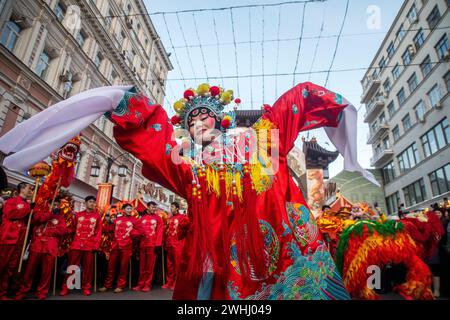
x,y
406,95
53,49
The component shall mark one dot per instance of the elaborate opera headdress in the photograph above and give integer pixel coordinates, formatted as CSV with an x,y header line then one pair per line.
x,y
205,99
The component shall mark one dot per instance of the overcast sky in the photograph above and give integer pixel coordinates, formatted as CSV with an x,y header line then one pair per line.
x,y
357,47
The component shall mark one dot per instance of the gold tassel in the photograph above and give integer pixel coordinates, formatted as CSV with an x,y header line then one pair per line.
x,y
212,178
237,178
260,166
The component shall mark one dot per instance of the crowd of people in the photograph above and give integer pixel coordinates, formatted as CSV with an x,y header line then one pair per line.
x,y
429,228
146,231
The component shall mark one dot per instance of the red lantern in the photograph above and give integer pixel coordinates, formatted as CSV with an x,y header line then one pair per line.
x,y
237,101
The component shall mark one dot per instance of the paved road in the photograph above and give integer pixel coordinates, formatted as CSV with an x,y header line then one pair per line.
x,y
155,294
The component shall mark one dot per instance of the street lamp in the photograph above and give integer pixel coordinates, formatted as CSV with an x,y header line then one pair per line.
x,y
123,170
95,171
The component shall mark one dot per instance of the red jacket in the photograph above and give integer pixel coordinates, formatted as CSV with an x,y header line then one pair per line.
x,y
88,231
123,230
172,236
14,221
47,232
151,228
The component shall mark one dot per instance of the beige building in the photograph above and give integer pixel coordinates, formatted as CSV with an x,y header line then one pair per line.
x,y
52,49
406,94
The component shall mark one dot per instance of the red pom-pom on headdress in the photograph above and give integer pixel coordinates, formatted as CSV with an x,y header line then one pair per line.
x,y
214,90
175,120
188,94
226,122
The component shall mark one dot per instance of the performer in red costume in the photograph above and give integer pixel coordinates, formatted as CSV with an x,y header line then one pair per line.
x,y
12,234
173,244
123,228
88,230
151,228
49,226
251,235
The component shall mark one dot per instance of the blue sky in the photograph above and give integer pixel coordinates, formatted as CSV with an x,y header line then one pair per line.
x,y
357,47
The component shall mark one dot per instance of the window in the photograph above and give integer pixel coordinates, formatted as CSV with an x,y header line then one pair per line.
x,y
130,55
434,17
408,158
10,35
440,180
42,65
381,118
412,82
387,86
396,133
386,143
127,9
2,4
401,96
442,47
396,71
406,57
406,121
382,63
60,11
77,163
419,110
436,138
419,39
425,66
391,109
434,95
98,59
112,76
412,14
401,33
415,193
393,202
120,36
388,172
391,49
447,81
108,17
374,127
81,38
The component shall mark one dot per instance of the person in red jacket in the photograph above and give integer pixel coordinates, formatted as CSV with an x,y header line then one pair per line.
x,y
49,227
12,234
173,244
123,228
151,228
87,226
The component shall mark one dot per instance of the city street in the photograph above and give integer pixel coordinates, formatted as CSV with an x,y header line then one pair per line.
x,y
243,150
155,294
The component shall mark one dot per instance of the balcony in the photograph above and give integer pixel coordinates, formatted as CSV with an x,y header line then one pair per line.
x,y
377,132
381,156
373,108
370,86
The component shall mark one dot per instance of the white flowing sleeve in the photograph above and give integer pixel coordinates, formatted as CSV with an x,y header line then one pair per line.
x,y
36,138
344,138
